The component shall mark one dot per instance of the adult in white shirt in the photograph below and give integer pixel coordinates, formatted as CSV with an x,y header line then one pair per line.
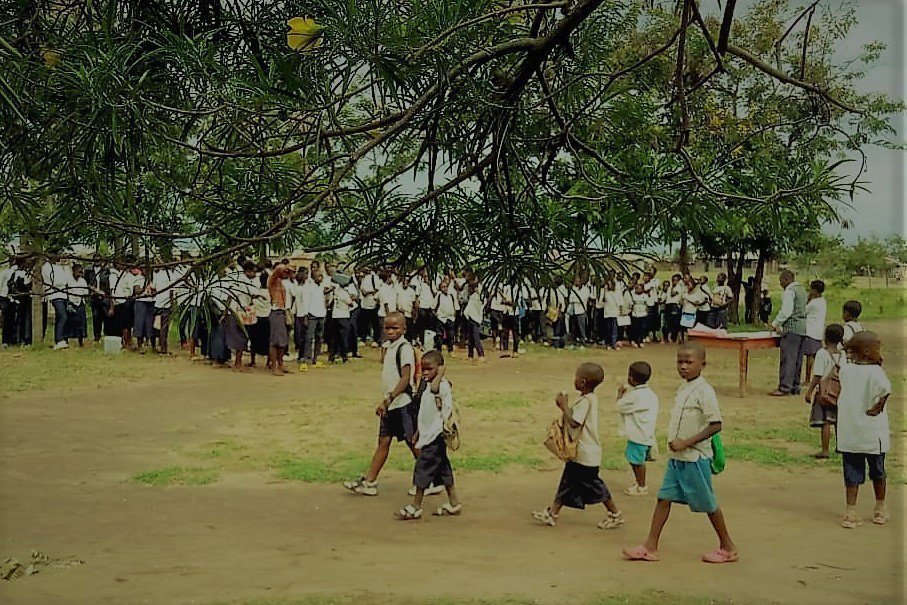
x,y
720,300
343,306
791,322
387,296
816,311
77,294
315,313
56,278
369,324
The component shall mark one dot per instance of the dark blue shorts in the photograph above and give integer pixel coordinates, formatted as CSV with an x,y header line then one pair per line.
x,y
689,483
855,467
398,423
433,465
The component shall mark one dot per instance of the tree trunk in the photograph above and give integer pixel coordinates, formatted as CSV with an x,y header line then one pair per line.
x,y
683,254
757,285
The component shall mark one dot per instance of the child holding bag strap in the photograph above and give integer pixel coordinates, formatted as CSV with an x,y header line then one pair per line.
x,y
580,482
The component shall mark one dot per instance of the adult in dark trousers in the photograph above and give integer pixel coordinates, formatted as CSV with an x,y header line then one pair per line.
x,y
791,323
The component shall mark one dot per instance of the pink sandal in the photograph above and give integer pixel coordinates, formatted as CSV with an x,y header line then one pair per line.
x,y
640,553
720,555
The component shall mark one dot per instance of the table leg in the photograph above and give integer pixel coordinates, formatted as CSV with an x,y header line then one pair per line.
x,y
743,356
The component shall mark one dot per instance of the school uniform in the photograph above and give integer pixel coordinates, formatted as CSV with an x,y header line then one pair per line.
x,y
580,483
143,326
816,311
260,331
369,326
163,281
638,409
446,313
76,319
20,285
56,280
427,320
461,325
315,314
433,465
611,302
823,365
387,301
406,300
343,303
863,440
353,330
124,305
399,421
653,322
556,315
576,313
239,290
7,306
721,297
639,316
688,476
625,331
219,295
673,302
851,328
693,301
473,314
300,328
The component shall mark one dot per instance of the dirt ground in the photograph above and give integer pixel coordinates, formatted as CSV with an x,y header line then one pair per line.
x,y
69,454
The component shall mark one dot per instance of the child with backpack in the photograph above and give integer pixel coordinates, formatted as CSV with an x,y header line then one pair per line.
x,y
695,419
850,315
821,395
395,409
435,404
580,482
864,436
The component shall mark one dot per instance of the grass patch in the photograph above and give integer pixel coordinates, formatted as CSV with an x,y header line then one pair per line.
x,y
493,462
222,448
769,455
497,401
178,475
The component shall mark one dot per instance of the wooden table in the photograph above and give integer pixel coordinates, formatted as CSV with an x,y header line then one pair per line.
x,y
743,342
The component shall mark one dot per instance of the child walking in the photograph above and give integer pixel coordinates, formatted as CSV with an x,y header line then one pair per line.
x,y
435,402
826,360
688,477
863,433
580,482
394,411
638,409
850,315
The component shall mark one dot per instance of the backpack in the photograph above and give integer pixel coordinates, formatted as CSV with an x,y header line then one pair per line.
x,y
560,442
417,367
830,387
451,426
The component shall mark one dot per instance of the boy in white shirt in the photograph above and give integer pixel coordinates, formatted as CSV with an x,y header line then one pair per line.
x,y
851,313
435,405
721,297
406,304
394,411
864,436
816,310
580,482
673,303
299,312
343,305
56,280
77,293
473,315
611,304
826,360
639,315
688,477
386,296
446,312
637,405
315,312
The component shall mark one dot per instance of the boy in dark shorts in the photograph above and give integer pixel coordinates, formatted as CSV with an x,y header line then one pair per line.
x,y
394,410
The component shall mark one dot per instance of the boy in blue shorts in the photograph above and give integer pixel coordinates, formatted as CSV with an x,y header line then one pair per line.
x,y
637,405
688,477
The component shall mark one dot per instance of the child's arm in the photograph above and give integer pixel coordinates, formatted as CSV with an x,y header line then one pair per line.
x,y
878,407
398,389
561,402
706,433
812,387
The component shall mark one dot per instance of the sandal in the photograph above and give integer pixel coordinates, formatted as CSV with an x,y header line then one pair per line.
x,y
852,522
640,553
545,517
880,517
820,456
448,509
408,513
719,555
362,486
612,521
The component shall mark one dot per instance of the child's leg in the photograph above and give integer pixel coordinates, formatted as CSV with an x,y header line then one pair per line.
x,y
555,507
452,496
609,504
639,473
417,499
826,438
659,518
724,538
379,458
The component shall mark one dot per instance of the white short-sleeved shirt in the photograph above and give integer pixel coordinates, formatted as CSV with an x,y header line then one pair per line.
x,y
585,412
387,295
406,298
369,289
639,304
851,328
474,308
825,361
315,302
426,296
431,420
611,303
861,388
5,276
56,279
816,310
390,375
447,306
78,290
695,407
693,301
343,303
638,410
675,294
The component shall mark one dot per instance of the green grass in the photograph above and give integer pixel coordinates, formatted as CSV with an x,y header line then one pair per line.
x,y
649,597
177,475
222,448
497,401
768,455
494,462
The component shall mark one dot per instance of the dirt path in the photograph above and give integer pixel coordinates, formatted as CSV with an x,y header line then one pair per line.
x,y
66,459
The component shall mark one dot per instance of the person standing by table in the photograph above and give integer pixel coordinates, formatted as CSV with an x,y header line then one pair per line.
x,y
791,323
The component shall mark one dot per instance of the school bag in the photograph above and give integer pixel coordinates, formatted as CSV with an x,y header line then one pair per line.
x,y
451,425
830,387
719,458
560,442
417,366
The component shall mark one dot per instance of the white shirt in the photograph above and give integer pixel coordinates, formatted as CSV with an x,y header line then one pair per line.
x,y
390,375
639,304
447,306
162,281
56,279
300,298
695,407
816,310
588,448
675,294
369,288
406,298
386,299
721,295
78,290
861,388
315,304
787,305
5,275
579,295
825,362
535,300
426,296
611,303
851,328
693,301
125,282
638,410
707,305
474,308
431,420
343,303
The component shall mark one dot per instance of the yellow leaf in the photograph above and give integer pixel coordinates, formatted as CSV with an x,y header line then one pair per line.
x,y
304,35
51,57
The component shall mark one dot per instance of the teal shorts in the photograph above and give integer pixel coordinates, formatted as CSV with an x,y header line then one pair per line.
x,y
689,483
636,453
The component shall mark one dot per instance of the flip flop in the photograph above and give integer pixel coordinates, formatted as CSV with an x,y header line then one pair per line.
x,y
720,555
640,553
448,509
